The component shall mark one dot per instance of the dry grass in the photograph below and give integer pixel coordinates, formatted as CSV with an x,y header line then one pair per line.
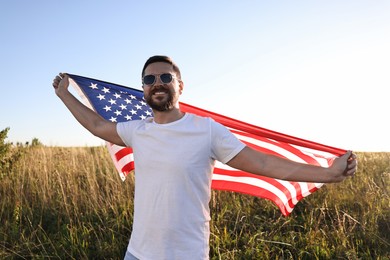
x,y
69,203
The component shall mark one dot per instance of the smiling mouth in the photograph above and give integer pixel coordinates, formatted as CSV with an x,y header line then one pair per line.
x,y
160,92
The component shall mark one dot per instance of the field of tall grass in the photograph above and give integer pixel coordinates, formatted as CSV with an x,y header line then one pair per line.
x,y
69,203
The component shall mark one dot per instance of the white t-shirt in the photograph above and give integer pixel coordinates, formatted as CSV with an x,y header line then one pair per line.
x,y
173,170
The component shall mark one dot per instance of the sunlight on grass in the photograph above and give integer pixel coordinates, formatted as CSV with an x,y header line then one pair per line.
x,y
70,203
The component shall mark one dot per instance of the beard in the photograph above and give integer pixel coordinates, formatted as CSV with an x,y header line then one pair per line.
x,y
160,105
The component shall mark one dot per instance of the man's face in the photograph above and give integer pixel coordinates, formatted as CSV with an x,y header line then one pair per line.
x,y
162,96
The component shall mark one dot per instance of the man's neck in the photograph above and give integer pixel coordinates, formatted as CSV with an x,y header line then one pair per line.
x,y
166,117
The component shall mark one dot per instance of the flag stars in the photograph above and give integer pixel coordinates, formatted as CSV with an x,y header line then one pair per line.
x,y
117,105
133,112
93,86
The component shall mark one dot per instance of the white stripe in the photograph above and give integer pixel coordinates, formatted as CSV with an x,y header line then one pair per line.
x,y
314,151
304,188
258,183
321,161
125,160
116,148
273,147
290,188
223,166
122,176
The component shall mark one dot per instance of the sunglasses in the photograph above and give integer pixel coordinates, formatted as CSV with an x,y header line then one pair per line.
x,y
165,78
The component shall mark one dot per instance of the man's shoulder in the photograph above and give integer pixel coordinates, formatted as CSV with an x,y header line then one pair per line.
x,y
205,121
192,116
138,121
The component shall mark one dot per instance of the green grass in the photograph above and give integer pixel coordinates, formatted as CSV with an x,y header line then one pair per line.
x,y
69,203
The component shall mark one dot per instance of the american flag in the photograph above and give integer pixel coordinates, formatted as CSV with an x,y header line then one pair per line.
x,y
118,103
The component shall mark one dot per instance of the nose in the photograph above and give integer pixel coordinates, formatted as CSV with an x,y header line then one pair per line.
x,y
158,81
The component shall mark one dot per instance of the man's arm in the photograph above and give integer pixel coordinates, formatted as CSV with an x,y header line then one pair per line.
x,y
256,162
92,121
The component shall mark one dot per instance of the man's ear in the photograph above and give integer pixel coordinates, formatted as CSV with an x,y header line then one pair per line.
x,y
181,87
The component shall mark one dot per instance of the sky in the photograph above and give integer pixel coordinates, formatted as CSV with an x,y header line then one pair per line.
x,y
318,70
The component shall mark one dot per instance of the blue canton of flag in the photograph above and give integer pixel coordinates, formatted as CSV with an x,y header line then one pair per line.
x,y
113,102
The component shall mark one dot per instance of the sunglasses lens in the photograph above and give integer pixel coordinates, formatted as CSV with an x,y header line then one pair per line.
x,y
166,78
149,79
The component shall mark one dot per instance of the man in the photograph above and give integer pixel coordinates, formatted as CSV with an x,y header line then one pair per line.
x,y
174,154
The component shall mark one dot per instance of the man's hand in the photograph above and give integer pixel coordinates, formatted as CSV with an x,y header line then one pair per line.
x,y
61,83
344,166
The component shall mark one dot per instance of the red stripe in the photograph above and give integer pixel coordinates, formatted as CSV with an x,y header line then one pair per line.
x,y
127,168
123,152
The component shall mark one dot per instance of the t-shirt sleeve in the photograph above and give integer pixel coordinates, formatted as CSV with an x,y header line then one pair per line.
x,y
224,145
125,131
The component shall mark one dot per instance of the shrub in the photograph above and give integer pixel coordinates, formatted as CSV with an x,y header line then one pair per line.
x,y
9,155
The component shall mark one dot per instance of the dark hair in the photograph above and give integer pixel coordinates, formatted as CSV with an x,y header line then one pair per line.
x,y
162,58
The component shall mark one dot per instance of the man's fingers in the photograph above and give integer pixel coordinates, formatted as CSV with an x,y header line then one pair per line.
x,y
351,172
352,165
57,79
63,75
351,162
348,154
352,157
